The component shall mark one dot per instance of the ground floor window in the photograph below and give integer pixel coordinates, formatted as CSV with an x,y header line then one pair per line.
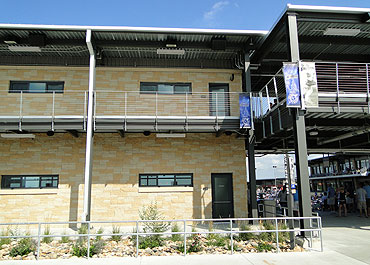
x,y
29,181
166,180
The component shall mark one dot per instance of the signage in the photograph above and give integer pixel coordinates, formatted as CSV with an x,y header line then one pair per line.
x,y
245,110
308,84
291,78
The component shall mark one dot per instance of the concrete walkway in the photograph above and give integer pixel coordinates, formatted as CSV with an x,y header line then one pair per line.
x,y
346,241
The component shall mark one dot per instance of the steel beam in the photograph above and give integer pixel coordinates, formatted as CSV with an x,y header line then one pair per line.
x,y
299,129
86,216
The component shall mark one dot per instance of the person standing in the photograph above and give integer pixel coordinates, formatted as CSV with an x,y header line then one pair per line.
x,y
342,202
361,200
367,189
331,198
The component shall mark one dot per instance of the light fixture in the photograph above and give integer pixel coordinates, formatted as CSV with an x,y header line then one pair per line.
x,y
17,135
10,42
171,51
50,133
24,48
314,133
171,45
341,32
146,133
170,135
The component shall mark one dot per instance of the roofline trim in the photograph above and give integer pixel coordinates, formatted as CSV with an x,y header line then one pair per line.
x,y
328,9
133,29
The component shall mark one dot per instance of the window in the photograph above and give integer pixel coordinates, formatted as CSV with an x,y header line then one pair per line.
x,y
29,181
36,87
165,88
166,180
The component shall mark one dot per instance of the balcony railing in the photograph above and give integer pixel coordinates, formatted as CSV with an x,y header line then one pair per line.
x,y
119,103
340,85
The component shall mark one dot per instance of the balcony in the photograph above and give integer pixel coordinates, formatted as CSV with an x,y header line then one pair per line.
x,y
116,110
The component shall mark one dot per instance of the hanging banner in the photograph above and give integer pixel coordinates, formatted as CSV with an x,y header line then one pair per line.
x,y
291,78
308,83
245,110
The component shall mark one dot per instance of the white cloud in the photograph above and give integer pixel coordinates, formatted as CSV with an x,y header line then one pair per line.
x,y
217,7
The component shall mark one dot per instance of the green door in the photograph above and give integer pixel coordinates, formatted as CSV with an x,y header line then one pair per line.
x,y
222,195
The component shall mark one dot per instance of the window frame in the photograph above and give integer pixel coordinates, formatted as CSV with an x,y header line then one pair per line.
x,y
166,83
22,181
175,176
47,84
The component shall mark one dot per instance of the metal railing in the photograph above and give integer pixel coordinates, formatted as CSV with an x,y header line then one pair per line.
x,y
228,228
339,85
119,103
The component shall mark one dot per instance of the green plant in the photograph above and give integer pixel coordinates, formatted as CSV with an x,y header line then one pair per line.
x,y
5,241
262,246
217,240
79,249
116,230
99,232
195,245
268,236
65,239
283,236
176,237
47,232
82,230
245,236
150,242
24,247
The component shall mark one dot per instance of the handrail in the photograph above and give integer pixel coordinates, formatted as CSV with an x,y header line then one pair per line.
x,y
138,233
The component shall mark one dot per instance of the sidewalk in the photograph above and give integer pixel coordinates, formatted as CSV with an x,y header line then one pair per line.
x,y
346,241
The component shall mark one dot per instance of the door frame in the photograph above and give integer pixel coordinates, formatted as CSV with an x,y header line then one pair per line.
x,y
232,192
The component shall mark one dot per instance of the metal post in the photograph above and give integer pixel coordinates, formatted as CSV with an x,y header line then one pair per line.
x,y
186,111
320,227
216,111
95,96
337,79
231,237
38,241
290,203
156,110
88,240
367,86
299,129
125,111
268,98
252,174
137,238
184,238
53,112
84,118
261,107
89,132
20,112
276,91
311,232
277,235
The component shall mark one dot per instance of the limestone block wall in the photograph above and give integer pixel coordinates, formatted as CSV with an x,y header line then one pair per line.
x,y
117,91
117,164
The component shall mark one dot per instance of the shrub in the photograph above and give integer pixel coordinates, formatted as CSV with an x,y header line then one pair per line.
x,y
79,249
195,245
268,236
116,230
263,247
5,241
150,242
217,240
176,237
24,247
83,230
245,236
100,231
47,232
65,239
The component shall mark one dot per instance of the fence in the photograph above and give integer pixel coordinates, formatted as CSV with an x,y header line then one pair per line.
x,y
228,227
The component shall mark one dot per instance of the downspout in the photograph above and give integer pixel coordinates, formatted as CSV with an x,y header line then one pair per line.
x,y
90,131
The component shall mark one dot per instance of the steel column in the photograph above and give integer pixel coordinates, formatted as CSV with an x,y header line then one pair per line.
x,y
250,143
90,131
299,129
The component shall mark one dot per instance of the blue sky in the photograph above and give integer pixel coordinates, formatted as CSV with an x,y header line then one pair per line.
x,y
231,14
223,14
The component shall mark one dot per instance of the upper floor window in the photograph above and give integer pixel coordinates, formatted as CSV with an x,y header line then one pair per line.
x,y
165,88
36,86
29,181
166,180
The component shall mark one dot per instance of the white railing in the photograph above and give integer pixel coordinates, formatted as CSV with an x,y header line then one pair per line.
x,y
119,103
339,85
228,226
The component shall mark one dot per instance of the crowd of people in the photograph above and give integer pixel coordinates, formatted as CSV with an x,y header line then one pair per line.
x,y
345,199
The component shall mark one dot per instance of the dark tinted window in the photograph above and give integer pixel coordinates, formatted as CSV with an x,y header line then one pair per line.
x,y
36,87
165,88
29,182
165,180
